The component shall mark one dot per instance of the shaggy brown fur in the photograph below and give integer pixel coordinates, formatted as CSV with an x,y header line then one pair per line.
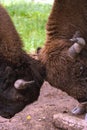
x,y
15,64
70,75
10,43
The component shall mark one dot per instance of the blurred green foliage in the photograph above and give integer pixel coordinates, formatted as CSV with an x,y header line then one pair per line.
x,y
30,19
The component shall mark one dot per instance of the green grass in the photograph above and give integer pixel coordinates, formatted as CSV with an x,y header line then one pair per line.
x,y
30,20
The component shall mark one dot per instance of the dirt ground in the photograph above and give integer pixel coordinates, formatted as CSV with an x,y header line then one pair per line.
x,y
39,115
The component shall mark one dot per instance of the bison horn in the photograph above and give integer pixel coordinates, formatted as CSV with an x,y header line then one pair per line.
x,y
76,48
22,84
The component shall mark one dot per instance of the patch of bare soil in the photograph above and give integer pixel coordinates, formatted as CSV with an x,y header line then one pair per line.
x,y
39,115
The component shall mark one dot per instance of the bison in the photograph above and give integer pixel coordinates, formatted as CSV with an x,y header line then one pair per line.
x,y
21,76
65,51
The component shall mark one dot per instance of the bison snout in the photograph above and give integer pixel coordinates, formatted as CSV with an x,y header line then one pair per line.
x,y
21,84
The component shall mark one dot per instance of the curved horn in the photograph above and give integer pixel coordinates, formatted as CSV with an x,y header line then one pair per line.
x,y
22,84
76,48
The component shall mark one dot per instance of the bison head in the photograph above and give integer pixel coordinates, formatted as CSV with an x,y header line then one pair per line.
x,y
18,88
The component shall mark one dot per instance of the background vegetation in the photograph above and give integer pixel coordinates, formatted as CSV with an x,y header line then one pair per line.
x,y
30,19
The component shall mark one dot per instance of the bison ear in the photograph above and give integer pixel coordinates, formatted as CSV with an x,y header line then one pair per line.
x,y
21,84
77,47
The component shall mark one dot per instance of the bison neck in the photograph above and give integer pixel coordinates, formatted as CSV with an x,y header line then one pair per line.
x,y
67,16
